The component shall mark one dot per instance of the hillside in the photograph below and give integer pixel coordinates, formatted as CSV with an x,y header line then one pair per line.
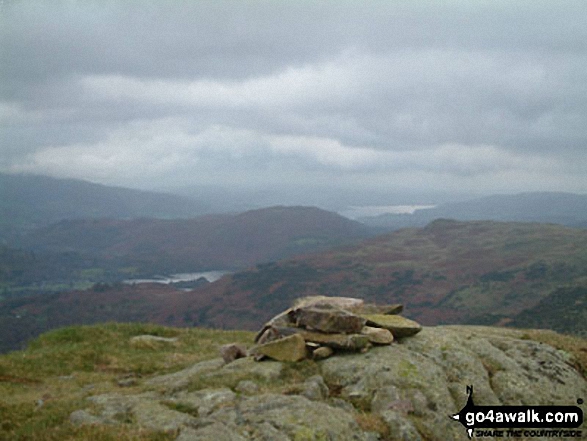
x,y
448,272
226,241
25,272
564,310
559,208
30,201
151,383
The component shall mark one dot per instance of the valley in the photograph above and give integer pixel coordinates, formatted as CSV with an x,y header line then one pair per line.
x,y
79,267
449,272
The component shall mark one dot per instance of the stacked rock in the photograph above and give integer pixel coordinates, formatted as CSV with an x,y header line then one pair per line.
x,y
318,326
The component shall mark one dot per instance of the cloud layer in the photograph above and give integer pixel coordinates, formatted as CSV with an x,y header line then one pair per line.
x,y
477,96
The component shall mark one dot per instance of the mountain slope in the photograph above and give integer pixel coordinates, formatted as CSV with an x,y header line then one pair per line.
x,y
28,201
448,272
564,310
560,208
206,242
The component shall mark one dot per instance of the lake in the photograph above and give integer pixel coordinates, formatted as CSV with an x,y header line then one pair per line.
x,y
210,276
355,212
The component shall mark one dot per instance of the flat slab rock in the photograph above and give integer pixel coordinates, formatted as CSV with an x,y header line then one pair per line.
x,y
348,303
329,319
399,326
291,348
351,304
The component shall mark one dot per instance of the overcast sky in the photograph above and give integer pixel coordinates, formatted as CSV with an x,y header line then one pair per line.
x,y
481,96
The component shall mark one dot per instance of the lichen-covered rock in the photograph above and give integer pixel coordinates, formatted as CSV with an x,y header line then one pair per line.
x,y
181,379
411,387
325,321
348,303
378,336
424,378
205,401
400,426
315,389
146,410
351,342
329,319
247,368
151,414
297,417
247,387
282,320
213,432
290,348
232,351
399,326
322,352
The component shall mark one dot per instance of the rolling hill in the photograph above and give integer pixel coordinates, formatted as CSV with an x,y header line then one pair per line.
x,y
211,242
446,273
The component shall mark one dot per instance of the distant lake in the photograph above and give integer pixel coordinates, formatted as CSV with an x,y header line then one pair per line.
x,y
210,276
355,212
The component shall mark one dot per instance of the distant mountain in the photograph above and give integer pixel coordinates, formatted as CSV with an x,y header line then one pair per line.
x,y
226,241
448,272
29,201
559,208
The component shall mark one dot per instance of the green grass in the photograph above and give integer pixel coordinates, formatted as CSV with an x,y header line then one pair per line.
x,y
42,385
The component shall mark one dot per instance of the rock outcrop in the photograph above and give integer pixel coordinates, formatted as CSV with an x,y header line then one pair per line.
x,y
339,323
403,391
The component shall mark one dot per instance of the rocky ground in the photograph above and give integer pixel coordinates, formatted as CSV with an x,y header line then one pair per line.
x,y
404,391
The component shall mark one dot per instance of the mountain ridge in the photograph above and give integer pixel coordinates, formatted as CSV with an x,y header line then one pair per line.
x,y
30,201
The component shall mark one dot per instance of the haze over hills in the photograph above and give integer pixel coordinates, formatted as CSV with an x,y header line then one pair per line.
x,y
74,254
448,272
30,201
328,197
222,241
546,207
445,272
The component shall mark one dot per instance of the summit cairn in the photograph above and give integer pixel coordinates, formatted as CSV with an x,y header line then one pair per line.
x,y
319,326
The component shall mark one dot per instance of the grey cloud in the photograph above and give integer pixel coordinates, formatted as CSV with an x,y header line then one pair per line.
x,y
353,91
